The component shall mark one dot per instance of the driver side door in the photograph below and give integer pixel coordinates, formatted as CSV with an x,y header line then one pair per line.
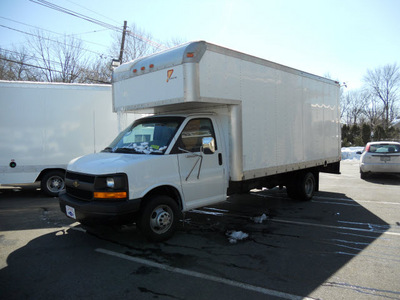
x,y
202,175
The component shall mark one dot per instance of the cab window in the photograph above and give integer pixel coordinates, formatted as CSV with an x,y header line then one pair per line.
x,y
191,138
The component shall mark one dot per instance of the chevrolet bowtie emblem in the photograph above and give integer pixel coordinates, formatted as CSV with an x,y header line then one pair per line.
x,y
76,183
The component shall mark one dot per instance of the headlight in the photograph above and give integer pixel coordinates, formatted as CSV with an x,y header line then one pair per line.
x,y
113,186
110,182
114,181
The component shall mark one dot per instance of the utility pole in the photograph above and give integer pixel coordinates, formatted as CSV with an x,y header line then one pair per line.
x,y
121,52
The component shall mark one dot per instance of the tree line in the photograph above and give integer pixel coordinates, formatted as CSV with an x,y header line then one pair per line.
x,y
372,113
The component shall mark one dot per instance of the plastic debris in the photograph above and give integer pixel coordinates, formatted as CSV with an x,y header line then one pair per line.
x,y
234,236
260,219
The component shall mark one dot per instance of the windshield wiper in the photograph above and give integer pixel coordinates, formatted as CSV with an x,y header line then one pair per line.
x,y
126,150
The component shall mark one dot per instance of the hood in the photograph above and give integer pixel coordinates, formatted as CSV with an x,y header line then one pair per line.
x,y
106,163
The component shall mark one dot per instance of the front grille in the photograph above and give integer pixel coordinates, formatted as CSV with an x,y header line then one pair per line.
x,y
82,186
80,194
80,177
79,185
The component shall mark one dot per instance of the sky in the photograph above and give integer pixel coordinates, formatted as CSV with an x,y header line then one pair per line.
x,y
341,39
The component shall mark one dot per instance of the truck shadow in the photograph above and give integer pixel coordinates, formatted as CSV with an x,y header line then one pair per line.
x,y
295,248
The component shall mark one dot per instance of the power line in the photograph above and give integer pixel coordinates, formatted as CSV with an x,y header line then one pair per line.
x,y
47,69
92,11
95,21
39,28
76,14
28,25
55,41
29,56
29,65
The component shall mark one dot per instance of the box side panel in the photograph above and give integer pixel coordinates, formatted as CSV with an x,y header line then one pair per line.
x,y
321,121
54,126
289,117
313,121
259,116
332,134
272,117
290,121
219,77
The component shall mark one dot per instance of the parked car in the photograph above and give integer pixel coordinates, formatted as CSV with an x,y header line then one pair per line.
x,y
380,157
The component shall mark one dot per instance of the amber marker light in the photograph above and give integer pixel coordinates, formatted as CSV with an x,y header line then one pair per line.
x,y
109,195
190,54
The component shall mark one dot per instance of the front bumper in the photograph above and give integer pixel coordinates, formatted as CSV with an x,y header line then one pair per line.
x,y
116,212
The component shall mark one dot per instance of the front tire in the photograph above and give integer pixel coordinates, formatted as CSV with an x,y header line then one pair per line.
x,y
158,218
52,183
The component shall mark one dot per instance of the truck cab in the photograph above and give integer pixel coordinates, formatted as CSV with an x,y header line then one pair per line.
x,y
154,170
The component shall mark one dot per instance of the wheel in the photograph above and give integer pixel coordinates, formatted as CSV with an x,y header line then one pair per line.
x,y
363,175
302,187
158,218
52,183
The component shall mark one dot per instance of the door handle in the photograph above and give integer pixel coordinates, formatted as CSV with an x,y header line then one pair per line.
x,y
220,159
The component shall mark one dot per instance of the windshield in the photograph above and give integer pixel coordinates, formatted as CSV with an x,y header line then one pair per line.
x,y
384,148
146,136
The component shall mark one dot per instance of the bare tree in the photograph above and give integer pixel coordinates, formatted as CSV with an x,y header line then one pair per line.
x,y
15,65
384,83
138,43
353,105
174,42
71,58
59,60
373,109
98,71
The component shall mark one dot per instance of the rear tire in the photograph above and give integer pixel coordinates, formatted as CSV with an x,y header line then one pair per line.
x,y
158,218
363,175
52,183
302,187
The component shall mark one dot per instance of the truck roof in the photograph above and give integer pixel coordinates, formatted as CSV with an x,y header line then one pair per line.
x,y
199,75
193,52
52,85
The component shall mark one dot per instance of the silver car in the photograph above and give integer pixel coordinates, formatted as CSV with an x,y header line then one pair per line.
x,y
380,157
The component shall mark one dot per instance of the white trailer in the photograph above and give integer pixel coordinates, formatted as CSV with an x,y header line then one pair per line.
x,y
45,125
223,122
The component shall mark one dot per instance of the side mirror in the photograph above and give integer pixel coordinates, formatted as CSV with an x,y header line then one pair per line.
x,y
208,145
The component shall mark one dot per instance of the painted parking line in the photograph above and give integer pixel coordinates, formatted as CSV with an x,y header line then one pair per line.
x,y
372,229
216,279
327,200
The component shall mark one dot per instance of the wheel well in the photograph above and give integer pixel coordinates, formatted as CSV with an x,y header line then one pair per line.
x,y
45,171
167,191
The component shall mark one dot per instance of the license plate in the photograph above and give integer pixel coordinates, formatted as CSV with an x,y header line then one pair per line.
x,y
70,211
384,158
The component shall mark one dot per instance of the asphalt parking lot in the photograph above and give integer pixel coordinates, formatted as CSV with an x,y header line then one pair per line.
x,y
344,244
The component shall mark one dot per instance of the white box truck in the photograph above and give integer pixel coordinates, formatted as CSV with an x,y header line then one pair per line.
x,y
223,122
45,125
